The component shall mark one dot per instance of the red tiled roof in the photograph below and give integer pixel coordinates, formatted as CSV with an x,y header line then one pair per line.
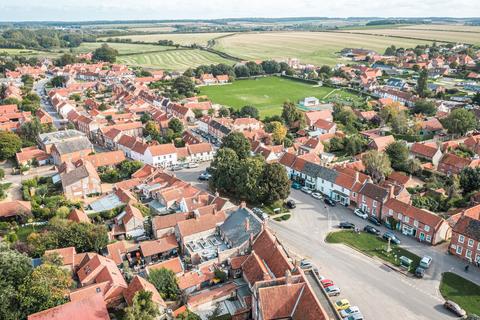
x,y
67,254
174,264
152,247
78,215
200,224
421,215
91,308
138,284
14,208
424,150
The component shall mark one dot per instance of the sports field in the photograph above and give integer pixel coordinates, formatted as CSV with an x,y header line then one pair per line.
x,y
180,38
175,60
310,47
268,94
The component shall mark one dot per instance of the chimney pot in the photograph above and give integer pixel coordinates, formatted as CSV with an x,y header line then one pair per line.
x,y
243,205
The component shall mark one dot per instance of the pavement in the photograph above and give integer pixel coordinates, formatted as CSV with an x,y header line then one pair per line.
x,y
379,291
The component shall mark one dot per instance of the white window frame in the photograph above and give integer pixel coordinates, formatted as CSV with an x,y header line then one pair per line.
x,y
415,223
461,238
468,254
406,219
426,228
459,250
470,242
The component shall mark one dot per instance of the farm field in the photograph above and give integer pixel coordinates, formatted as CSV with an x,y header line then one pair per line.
x,y
122,48
310,47
175,60
267,94
28,53
437,35
180,38
443,27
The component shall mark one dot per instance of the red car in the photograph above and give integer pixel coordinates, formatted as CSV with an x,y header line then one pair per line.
x,y
326,283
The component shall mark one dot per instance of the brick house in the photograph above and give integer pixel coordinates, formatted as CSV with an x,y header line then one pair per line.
x,y
80,182
453,164
426,151
465,241
381,143
129,223
71,150
421,224
372,197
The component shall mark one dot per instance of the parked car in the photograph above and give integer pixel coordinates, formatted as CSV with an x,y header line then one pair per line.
x,y
426,262
390,235
360,213
342,304
346,225
332,291
374,220
177,167
455,308
291,204
192,165
372,230
317,195
204,176
330,202
349,311
419,272
307,190
296,186
305,264
320,277
260,213
355,316
326,283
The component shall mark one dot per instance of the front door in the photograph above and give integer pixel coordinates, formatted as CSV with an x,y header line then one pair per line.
x,y
422,236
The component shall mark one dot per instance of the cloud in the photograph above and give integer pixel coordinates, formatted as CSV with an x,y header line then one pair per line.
x,y
68,10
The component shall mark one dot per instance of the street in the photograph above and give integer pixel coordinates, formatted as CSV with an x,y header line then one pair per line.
x,y
380,292
39,88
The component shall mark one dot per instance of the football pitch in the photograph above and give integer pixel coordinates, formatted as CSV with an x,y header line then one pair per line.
x,y
268,94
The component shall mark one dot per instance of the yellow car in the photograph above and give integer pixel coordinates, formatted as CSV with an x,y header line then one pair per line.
x,y
342,304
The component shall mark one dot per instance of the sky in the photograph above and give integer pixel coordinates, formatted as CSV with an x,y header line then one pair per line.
x,y
87,10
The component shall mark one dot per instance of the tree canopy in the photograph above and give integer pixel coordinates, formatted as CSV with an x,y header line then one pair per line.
x,y
10,144
142,308
237,142
105,53
425,107
166,283
377,165
460,121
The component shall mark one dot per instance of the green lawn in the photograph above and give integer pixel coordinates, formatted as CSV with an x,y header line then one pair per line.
x,y
460,290
267,94
373,246
24,232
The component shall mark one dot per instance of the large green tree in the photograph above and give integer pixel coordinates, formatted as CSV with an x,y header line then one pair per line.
x,y
237,142
425,107
274,183
398,153
166,283
142,308
105,53
293,116
184,86
46,287
377,165
470,179
460,121
248,174
176,125
14,268
422,83
10,143
225,170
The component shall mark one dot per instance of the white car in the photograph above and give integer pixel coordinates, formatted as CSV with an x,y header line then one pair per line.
x,y
360,213
317,195
332,291
426,262
355,316
349,311
307,190
192,165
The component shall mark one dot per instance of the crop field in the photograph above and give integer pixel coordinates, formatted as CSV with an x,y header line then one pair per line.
x,y
180,38
28,53
122,48
310,47
471,36
175,60
268,94
443,27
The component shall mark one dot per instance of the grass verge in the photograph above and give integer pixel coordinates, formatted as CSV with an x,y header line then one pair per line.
x,y
373,246
462,291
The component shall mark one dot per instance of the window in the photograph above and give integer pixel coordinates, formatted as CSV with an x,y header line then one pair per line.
x,y
354,194
427,228
470,242
459,250
400,216
429,238
390,212
406,219
363,198
374,203
461,238
415,223
468,254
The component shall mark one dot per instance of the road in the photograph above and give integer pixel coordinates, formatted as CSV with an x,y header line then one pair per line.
x,y
380,292
39,88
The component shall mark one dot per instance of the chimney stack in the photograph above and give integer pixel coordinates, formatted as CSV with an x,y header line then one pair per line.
x,y
196,214
288,277
243,205
357,176
247,225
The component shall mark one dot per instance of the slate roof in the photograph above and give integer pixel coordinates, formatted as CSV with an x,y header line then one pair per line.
x,y
318,171
74,145
79,173
374,192
468,227
234,226
220,127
